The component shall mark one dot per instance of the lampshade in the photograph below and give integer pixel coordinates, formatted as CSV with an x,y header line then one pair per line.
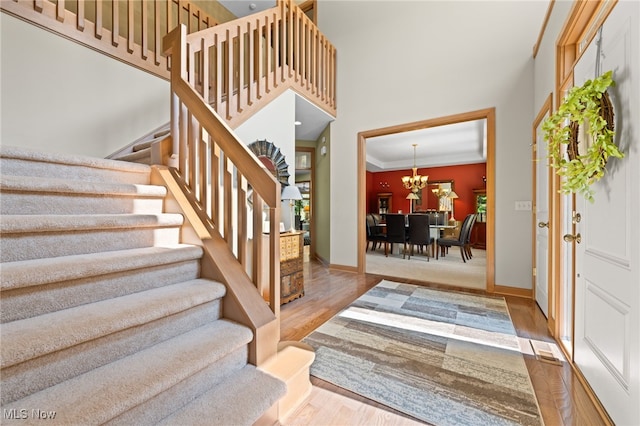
x,y
291,192
412,196
453,195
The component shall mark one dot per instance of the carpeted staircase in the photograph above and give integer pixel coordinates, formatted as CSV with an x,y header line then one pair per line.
x,y
104,318
140,150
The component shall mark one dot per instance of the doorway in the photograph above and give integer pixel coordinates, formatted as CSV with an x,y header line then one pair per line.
x,y
304,180
485,114
542,180
600,261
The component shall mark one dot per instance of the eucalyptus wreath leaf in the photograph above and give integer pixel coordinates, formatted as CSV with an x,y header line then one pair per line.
x,y
582,106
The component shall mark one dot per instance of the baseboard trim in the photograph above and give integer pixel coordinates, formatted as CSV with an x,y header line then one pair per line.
x,y
344,268
503,290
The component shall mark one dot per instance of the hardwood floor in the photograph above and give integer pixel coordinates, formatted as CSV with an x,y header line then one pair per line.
x,y
561,397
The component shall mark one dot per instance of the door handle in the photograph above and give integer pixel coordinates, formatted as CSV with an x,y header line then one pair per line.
x,y
543,224
570,238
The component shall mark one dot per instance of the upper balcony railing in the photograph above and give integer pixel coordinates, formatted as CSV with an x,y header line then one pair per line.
x,y
245,62
130,31
238,65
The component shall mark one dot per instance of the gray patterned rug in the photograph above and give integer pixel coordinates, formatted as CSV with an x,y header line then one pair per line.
x,y
445,358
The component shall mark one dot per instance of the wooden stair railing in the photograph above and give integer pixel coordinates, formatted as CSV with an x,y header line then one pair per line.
x,y
245,63
130,31
241,65
228,186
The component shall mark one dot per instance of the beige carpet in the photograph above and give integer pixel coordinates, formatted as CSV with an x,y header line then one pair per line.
x,y
448,270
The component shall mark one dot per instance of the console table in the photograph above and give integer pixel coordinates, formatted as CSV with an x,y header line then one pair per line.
x,y
291,277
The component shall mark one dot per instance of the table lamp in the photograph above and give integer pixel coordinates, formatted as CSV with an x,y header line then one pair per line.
x,y
291,193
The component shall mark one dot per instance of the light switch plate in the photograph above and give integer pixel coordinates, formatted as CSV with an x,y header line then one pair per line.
x,y
523,205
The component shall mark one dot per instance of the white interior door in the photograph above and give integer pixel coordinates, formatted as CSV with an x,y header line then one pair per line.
x,y
541,198
607,295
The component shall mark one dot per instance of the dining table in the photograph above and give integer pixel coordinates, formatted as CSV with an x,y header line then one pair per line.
x,y
434,231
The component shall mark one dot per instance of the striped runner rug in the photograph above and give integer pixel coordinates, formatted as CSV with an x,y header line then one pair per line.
x,y
442,357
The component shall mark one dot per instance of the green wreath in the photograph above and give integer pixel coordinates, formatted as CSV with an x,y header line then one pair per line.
x,y
588,106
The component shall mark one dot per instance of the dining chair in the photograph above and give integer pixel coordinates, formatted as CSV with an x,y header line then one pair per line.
x,y
375,236
396,232
467,243
460,241
419,233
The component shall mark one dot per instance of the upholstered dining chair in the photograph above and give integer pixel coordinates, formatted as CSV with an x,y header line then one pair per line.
x,y
460,241
419,233
374,235
467,243
396,233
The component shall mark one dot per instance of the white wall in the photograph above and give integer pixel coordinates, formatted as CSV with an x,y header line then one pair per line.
x,y
275,123
400,62
545,60
59,96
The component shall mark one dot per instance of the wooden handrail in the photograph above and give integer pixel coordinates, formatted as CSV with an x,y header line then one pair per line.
x,y
240,65
207,156
125,31
245,63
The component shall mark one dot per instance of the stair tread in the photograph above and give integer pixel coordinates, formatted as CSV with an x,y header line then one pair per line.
x,y
257,390
136,155
143,145
19,153
32,337
57,223
26,273
101,394
75,186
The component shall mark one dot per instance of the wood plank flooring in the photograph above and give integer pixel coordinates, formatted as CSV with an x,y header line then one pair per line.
x,y
562,398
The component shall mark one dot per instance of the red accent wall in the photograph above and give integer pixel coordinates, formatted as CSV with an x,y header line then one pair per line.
x,y
465,178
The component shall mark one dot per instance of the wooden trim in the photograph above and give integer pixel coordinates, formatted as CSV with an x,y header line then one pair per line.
x,y
312,228
344,268
583,19
310,6
489,115
547,108
536,46
513,291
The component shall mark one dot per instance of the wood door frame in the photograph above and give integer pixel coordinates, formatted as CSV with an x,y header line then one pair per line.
x,y
546,109
312,172
579,29
489,114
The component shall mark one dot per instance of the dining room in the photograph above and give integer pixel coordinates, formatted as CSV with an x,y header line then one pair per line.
x,y
441,173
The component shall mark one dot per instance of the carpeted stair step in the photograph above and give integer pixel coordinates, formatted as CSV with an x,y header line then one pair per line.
x,y
143,145
257,390
142,156
42,351
27,237
114,389
23,162
40,286
37,195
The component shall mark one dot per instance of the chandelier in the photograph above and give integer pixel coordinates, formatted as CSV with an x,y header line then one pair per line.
x,y
415,182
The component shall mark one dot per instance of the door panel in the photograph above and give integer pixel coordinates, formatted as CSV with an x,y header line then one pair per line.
x,y
541,218
607,299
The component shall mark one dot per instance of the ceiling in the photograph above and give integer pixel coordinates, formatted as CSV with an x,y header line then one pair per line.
x,y
461,143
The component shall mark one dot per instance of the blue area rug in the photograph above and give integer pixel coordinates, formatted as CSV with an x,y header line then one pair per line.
x,y
442,357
